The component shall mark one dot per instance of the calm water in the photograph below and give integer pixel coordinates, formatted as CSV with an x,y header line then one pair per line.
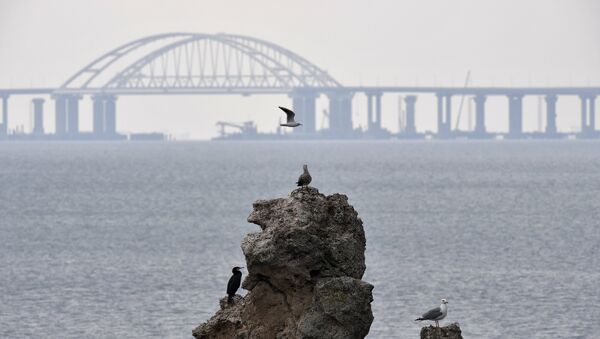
x,y
126,240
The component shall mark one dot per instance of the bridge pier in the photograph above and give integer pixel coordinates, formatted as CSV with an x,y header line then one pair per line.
x,y
4,125
67,115
411,128
378,111
38,116
60,112
340,114
110,115
98,115
369,112
374,118
480,129
588,114
515,115
444,114
104,115
73,115
303,104
551,114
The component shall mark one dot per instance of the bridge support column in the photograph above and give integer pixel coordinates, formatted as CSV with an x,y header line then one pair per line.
x,y
369,112
411,127
98,115
593,113
38,116
73,115
340,114
374,118
4,125
304,106
480,129
444,114
110,115
310,113
378,111
60,111
334,114
515,115
346,113
104,111
588,114
551,113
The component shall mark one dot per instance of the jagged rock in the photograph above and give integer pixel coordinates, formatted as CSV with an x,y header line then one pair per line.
x,y
451,331
304,271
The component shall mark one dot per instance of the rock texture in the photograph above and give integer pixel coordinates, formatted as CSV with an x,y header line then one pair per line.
x,y
451,331
304,271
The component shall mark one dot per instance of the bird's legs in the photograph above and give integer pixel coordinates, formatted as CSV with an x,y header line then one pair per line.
x,y
437,324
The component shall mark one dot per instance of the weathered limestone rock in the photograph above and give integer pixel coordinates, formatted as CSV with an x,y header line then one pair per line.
x,y
451,331
304,271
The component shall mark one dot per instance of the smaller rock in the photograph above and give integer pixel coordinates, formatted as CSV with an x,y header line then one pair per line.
x,y
227,323
451,331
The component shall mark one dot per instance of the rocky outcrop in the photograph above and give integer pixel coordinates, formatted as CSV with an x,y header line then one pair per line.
x,y
451,331
304,273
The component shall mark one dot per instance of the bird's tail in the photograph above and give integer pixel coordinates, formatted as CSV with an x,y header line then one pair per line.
x,y
419,319
298,183
229,298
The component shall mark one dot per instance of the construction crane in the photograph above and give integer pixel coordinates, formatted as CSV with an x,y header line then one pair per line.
x,y
324,118
247,127
462,99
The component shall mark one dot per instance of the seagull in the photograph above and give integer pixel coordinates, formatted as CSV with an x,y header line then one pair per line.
x,y
304,178
436,314
234,283
290,118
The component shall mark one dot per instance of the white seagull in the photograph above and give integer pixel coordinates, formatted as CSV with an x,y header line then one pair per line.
x,y
290,118
436,314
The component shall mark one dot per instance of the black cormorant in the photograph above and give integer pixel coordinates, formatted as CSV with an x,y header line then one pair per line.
x,y
234,283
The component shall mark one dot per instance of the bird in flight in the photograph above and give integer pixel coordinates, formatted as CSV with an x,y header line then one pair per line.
x,y
436,314
234,283
290,118
304,178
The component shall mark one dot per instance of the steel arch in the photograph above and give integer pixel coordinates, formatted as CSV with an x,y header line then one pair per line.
x,y
195,62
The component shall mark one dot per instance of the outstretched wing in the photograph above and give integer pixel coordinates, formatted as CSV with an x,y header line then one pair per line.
x,y
289,113
432,314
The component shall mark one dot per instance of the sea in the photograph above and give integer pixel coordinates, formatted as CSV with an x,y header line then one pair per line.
x,y
137,239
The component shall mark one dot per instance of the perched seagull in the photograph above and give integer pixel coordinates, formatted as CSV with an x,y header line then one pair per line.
x,y
304,178
436,314
234,283
290,118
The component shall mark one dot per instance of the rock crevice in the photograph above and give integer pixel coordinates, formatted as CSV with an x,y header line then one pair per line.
x,y
304,273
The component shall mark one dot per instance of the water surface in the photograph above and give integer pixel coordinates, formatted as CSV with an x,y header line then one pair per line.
x,y
130,240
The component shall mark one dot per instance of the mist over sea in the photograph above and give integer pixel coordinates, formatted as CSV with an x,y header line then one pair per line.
x,y
131,240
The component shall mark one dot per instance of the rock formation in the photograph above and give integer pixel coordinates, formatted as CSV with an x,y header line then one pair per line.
x,y
304,271
451,331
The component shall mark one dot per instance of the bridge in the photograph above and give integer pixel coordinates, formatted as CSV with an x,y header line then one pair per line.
x,y
228,64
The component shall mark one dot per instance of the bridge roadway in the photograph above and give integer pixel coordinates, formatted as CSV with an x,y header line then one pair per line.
x,y
340,106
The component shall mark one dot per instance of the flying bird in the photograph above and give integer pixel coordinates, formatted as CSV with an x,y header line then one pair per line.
x,y
304,178
290,118
436,314
234,283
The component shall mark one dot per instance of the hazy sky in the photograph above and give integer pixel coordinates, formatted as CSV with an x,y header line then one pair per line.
x,y
523,42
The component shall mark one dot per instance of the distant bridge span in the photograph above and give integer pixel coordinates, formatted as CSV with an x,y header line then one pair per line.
x,y
195,63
